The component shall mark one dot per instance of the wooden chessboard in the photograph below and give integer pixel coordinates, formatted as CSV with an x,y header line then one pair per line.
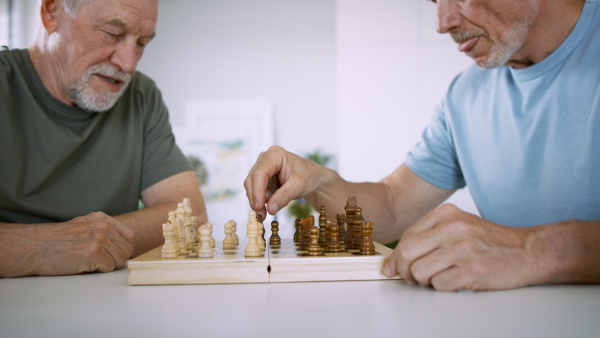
x,y
280,263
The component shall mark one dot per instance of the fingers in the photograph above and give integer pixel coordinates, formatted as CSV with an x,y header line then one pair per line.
x,y
259,180
449,250
276,178
102,241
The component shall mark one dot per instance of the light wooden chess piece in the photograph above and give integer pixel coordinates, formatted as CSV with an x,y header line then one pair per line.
x,y
180,221
170,248
234,233
204,248
212,239
189,235
275,239
195,228
252,249
228,242
262,243
187,206
173,220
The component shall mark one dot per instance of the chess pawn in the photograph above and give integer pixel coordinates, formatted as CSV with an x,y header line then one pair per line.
x,y
252,249
367,247
298,233
234,232
314,249
204,249
211,239
170,248
228,242
334,243
275,239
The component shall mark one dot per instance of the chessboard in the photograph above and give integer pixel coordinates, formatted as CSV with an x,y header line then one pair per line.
x,y
328,252
280,263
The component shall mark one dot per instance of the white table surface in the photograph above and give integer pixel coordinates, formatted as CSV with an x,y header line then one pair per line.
x,y
103,305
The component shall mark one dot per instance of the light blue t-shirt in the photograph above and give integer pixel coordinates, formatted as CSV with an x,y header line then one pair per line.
x,y
527,141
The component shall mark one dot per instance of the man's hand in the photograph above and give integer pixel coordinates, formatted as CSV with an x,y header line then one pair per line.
x,y
278,177
450,249
95,242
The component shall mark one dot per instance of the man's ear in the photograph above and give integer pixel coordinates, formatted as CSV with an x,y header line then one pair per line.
x,y
48,14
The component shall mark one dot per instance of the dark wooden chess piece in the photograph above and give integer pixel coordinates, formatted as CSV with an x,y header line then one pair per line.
x,y
314,249
275,239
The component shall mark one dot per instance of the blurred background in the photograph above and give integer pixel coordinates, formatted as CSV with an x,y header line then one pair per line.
x,y
354,81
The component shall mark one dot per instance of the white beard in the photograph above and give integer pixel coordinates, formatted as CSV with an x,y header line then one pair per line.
x,y
88,98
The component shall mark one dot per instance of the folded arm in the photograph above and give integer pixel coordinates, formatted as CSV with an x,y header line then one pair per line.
x,y
95,242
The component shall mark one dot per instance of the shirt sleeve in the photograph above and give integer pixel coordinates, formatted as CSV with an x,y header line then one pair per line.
x,y
434,158
162,157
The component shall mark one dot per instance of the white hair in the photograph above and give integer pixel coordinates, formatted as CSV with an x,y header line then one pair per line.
x,y
73,6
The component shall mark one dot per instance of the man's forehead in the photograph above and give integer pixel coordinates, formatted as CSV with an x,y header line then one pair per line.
x,y
131,15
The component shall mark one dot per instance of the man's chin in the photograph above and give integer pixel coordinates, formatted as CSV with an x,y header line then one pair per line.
x,y
95,100
98,104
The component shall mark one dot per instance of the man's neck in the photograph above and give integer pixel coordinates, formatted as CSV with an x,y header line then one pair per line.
x,y
48,69
556,21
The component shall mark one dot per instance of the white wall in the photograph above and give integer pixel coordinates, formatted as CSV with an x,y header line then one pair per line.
x,y
281,50
357,78
392,69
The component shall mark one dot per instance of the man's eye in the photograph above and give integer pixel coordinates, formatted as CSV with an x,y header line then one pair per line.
x,y
112,34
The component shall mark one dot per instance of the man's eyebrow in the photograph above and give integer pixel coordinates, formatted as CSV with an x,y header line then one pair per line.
x,y
116,22
121,24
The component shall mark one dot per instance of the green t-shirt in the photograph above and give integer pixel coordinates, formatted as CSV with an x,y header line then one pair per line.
x,y
58,162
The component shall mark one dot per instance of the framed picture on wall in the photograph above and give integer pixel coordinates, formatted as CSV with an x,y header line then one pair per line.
x,y
222,140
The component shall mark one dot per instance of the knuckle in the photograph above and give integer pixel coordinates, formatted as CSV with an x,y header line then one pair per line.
x,y
275,149
466,246
99,237
98,214
419,275
403,250
95,249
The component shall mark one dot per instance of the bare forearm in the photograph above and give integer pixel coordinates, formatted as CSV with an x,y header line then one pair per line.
x,y
566,252
18,251
393,205
373,198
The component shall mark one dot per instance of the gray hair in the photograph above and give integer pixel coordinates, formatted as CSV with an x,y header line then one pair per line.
x,y
73,6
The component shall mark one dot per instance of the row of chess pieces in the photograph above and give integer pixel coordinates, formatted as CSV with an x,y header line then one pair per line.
x,y
181,235
328,237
